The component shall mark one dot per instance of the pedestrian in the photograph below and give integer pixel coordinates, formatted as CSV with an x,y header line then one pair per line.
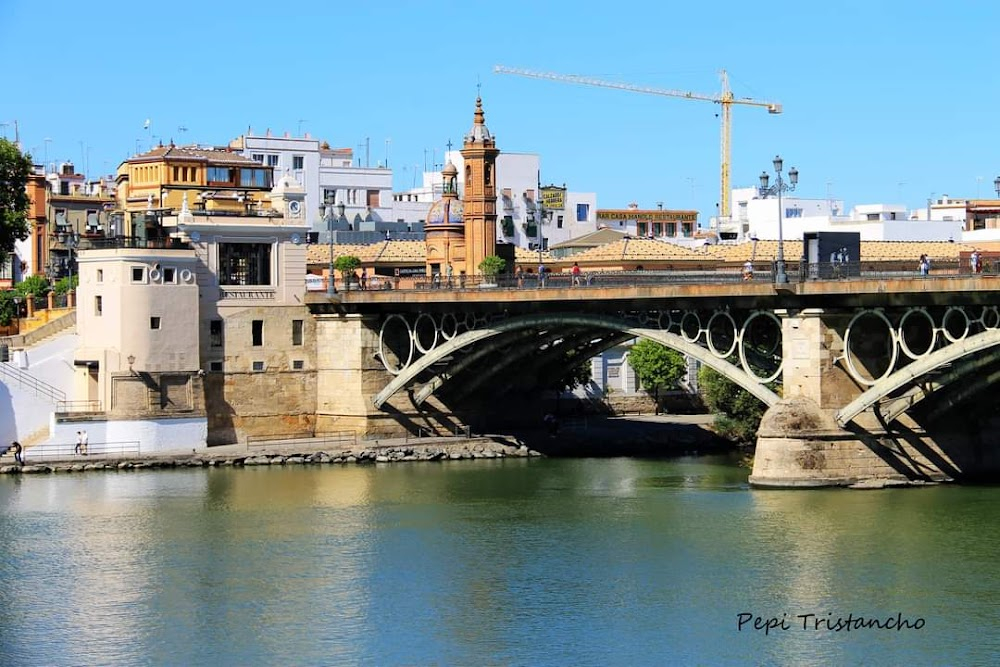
x,y
541,275
925,265
79,443
748,270
16,448
449,272
576,274
85,442
364,279
976,261
519,274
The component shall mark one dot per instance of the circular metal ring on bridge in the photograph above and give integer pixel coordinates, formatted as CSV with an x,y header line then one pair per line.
x,y
642,317
909,348
448,326
710,334
849,356
667,317
955,324
770,346
990,318
470,321
690,326
424,317
381,344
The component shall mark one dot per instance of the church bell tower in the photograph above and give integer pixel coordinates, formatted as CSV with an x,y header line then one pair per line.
x,y
479,155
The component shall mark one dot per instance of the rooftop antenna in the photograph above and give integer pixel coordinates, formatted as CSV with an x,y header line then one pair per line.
x,y
301,120
3,128
181,130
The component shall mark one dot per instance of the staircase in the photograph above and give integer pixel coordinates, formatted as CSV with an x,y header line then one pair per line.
x,y
12,373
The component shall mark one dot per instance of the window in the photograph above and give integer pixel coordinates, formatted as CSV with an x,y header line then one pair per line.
x,y
177,173
671,229
559,220
215,333
272,160
215,366
298,162
258,367
582,212
797,213
244,263
296,332
298,365
255,178
138,274
221,176
154,322
98,305
640,228
373,198
64,187
100,275
257,157
329,194
257,331
169,275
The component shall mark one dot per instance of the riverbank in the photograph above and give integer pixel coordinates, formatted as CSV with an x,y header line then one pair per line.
x,y
450,449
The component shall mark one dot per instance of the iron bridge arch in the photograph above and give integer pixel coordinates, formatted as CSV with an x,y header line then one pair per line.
x,y
710,336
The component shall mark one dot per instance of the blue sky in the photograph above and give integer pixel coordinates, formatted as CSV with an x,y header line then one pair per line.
x,y
883,101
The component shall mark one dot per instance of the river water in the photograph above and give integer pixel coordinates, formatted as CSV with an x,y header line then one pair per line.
x,y
511,562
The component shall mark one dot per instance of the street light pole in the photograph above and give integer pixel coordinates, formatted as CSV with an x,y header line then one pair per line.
x,y
780,274
331,288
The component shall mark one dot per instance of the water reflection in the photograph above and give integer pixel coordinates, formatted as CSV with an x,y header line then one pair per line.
x,y
610,561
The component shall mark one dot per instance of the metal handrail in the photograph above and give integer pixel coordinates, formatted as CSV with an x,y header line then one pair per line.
x,y
95,450
66,407
40,388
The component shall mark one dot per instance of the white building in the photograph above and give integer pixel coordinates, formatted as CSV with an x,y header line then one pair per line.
x,y
757,217
327,174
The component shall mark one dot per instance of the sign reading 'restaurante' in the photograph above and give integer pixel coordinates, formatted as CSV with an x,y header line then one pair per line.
x,y
654,215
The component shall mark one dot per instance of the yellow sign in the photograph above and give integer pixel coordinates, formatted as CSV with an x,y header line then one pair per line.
x,y
655,215
554,198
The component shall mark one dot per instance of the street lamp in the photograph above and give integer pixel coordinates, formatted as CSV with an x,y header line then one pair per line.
x,y
996,185
331,288
71,241
17,312
780,275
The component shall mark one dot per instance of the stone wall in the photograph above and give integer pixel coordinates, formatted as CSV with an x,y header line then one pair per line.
x,y
242,405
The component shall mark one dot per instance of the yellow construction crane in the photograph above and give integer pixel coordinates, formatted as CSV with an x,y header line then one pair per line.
x,y
725,99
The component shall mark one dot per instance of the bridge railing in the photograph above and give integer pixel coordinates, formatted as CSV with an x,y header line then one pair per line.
x,y
339,438
763,271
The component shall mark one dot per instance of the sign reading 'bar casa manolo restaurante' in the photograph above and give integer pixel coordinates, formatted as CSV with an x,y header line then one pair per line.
x,y
654,215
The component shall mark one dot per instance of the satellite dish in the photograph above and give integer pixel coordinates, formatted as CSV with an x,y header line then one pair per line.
x,y
296,239
195,236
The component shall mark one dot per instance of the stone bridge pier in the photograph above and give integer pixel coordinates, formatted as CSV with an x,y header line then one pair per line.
x,y
852,411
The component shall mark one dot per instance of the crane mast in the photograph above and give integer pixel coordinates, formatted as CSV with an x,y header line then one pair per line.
x,y
725,99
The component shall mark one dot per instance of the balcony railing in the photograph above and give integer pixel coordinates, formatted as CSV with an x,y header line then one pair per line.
x,y
167,243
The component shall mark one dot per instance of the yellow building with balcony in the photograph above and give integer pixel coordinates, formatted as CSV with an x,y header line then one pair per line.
x,y
216,181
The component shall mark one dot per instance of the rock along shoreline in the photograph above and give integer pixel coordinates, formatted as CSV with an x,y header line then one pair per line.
x,y
476,448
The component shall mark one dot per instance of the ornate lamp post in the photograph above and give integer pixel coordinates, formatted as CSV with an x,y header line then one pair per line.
x,y
71,241
17,313
780,275
331,288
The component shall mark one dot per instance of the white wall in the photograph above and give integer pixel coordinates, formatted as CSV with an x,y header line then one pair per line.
x,y
188,434
22,412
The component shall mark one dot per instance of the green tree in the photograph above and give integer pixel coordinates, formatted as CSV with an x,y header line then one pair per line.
x,y
7,307
492,266
347,265
15,167
739,411
66,284
36,285
657,366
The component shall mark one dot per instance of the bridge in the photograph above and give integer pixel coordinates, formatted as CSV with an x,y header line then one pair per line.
x,y
863,377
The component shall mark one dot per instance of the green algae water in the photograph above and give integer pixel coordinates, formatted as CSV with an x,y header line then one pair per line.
x,y
512,562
